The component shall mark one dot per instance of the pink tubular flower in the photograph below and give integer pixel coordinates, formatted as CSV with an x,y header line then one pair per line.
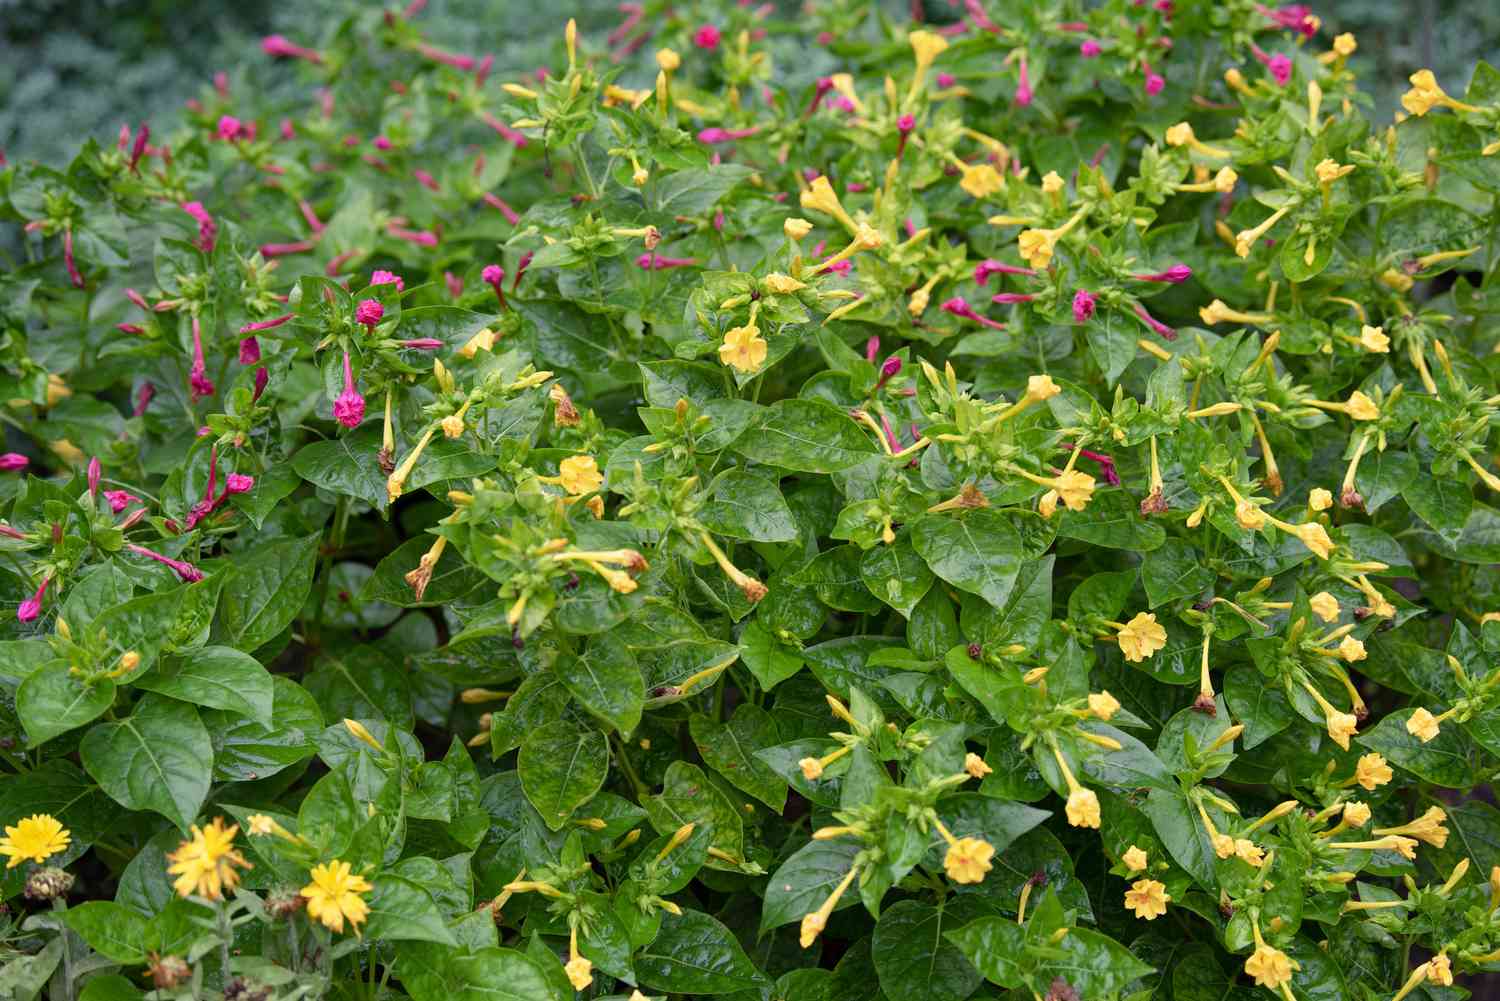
x,y
207,229
521,267
958,306
1089,48
259,325
388,278
1154,81
985,268
455,284
426,180
32,606
872,348
980,18
1083,306
422,344
382,143
137,299
368,313
494,276
261,378
1293,17
510,135
186,571
279,46
12,461
1157,327
454,59
238,483
1279,66
283,249
946,80
904,127
288,130
498,203
420,237
198,374
130,328
249,350
139,149
1023,86
119,500
230,128
310,215
1175,275
95,473
655,262
706,37
143,398
822,87
1010,298
1106,464
74,275
482,71
714,136
349,408
888,371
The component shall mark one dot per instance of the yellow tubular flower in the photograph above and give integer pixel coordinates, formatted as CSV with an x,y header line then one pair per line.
x,y
1425,94
579,970
1141,637
1372,772
1341,725
1083,804
1268,966
980,180
1325,606
926,46
35,838
1147,898
814,922
1037,245
1427,828
820,197
1103,705
1181,134
579,474
744,349
1245,239
975,766
1218,312
334,895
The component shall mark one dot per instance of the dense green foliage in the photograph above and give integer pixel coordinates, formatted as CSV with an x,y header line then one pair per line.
x,y
1015,516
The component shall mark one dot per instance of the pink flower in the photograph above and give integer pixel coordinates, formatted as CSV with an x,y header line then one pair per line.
x,y
1089,48
459,62
946,80
1293,17
94,473
496,202
119,500
1157,327
349,408
455,284
279,46
261,378
230,128
1083,306
1009,298
425,179
382,143
494,276
186,571
288,130
420,237
1175,275
1280,66
985,268
139,149
143,398
958,306
889,370
310,215
872,348
482,72
521,267
422,344
259,325
1154,81
137,299
238,483
388,278
1023,86
282,249
130,328
249,350
207,228
368,312
716,135
32,606
511,135
12,461
198,378
655,262
74,275
706,37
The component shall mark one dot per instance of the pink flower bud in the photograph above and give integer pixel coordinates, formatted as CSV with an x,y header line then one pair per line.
x,y
74,275
985,268
249,351
388,278
872,348
198,379
1157,327
1089,48
1009,298
185,571
130,328
1175,275
238,483
143,398
259,325
32,606
261,377
207,228
95,472
349,408
382,143
368,312
1023,86
706,37
946,80
423,344
288,130
1083,306
455,284
12,461
230,128
139,149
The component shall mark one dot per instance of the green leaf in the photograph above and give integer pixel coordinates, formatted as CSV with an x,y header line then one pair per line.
x,y
744,505
605,680
896,574
349,465
1447,760
1180,829
1172,571
113,930
693,192
402,909
1112,520
159,758
50,701
688,797
432,972
218,677
246,749
562,766
978,551
1444,502
452,577
995,946
913,956
695,954
806,436
729,749
1095,964
267,589
806,879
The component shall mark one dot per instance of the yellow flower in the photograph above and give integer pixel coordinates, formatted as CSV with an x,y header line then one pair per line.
x,y
260,824
1352,649
1422,725
1329,171
812,770
1047,506
1345,44
1374,339
1103,705
743,348
975,766
206,863
668,60
1225,180
968,859
1134,858
1083,808
813,923
1147,898
981,180
580,972
334,894
780,284
1036,247
1324,605
820,197
1361,408
1250,852
1371,771
1315,537
1075,489
1270,966
1180,134
453,426
1341,726
37,837
1356,814
580,474
1141,637
1428,828
1439,970
1052,182
1248,516
1041,387
926,46
1320,499
796,229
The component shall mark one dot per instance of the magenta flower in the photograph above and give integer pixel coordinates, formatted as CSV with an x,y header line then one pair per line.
x,y
288,130
1157,327
238,483
706,37
186,571
198,378
207,228
1293,17
422,344
74,275
888,371
349,408
1279,66
457,61
279,46
261,378
249,350
259,325
990,266
872,348
905,125
823,86
1089,48
139,149
130,328
12,461
137,299
494,276
1010,298
1175,275
655,262
713,136
382,143
94,473
143,398
521,267
283,249
230,128
1106,464
946,80
368,312
119,500
1023,86
958,306
32,606
455,284
425,179
388,278
498,203
1154,81
310,216
1083,306
510,134
482,71
420,237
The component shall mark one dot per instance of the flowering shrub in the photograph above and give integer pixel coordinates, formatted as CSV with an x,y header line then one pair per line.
x,y
1016,515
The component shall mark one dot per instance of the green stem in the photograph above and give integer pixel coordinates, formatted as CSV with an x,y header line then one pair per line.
x,y
641,789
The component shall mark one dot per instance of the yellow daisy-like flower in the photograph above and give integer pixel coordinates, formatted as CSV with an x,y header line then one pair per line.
x,y
207,863
579,474
1371,771
1269,966
743,348
1147,899
334,895
968,859
1083,808
1135,859
1141,637
37,838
